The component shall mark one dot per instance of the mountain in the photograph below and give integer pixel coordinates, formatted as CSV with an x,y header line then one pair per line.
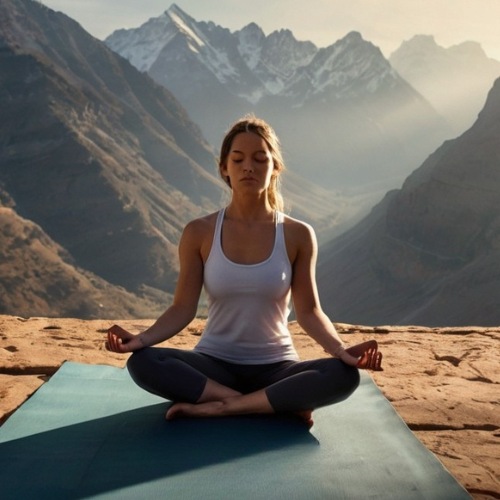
x,y
455,80
100,169
429,253
95,153
346,119
205,65
38,278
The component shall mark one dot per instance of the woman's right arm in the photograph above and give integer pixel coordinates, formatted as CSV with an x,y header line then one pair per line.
x,y
186,297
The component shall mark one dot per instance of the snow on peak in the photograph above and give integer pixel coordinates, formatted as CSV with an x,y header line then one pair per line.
x,y
184,24
252,64
345,68
142,45
250,44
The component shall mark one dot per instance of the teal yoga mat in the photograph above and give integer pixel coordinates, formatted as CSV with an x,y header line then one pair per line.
x,y
91,433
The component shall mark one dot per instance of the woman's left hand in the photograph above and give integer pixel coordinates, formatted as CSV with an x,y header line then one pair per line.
x,y
367,355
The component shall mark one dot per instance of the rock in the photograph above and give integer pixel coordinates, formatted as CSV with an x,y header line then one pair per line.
x,y
444,382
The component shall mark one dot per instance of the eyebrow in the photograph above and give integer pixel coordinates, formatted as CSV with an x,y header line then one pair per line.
x,y
241,152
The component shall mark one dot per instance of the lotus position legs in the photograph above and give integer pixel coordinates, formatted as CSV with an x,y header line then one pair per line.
x,y
203,386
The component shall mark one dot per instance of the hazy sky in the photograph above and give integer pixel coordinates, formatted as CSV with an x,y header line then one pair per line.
x,y
386,23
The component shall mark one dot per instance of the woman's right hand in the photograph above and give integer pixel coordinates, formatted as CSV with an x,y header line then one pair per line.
x,y
121,341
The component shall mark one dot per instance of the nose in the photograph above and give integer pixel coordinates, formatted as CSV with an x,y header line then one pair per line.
x,y
248,166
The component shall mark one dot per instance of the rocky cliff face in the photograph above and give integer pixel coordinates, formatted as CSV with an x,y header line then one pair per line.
x,y
430,252
38,277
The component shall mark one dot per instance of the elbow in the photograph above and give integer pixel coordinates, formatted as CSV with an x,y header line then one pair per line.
x,y
185,313
189,314
304,318
307,317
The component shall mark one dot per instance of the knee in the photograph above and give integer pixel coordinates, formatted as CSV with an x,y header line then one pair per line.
x,y
345,381
352,379
138,362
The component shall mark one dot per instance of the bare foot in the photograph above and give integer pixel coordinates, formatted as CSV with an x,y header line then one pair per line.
x,y
210,409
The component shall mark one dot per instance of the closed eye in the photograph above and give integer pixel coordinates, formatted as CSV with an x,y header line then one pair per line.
x,y
261,158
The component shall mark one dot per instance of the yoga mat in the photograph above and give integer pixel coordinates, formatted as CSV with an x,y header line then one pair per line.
x,y
91,433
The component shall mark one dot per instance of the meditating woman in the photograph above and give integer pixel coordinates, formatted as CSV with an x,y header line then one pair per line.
x,y
253,261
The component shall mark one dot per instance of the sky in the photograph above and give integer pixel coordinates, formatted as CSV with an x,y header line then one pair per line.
x,y
385,23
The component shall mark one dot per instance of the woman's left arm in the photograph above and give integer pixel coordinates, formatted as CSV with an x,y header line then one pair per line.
x,y
310,315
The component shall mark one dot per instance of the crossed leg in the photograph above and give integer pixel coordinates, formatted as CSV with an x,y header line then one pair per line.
x,y
290,387
213,406
205,387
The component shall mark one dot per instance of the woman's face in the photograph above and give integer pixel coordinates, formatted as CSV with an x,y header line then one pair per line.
x,y
249,164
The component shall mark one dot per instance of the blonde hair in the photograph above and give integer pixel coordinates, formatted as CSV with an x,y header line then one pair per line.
x,y
257,126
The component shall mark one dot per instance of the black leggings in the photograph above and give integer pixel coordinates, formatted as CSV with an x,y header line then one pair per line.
x,y
290,386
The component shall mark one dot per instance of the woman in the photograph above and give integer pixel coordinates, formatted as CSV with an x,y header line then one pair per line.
x,y
251,259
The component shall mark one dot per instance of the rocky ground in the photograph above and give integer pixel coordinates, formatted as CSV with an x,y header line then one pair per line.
x,y
444,382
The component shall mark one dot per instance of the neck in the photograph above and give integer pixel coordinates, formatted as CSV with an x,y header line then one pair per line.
x,y
240,210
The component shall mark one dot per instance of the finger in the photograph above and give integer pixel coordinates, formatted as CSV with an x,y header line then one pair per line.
x,y
111,340
370,360
114,342
369,364
379,362
376,361
363,360
110,345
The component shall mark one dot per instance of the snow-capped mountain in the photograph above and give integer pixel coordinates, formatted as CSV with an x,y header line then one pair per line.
x,y
345,117
273,59
455,80
346,69
247,62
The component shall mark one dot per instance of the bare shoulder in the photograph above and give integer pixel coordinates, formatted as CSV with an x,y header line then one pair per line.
x,y
296,229
201,225
198,234
300,238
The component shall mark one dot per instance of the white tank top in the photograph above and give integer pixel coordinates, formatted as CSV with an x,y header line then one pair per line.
x,y
248,304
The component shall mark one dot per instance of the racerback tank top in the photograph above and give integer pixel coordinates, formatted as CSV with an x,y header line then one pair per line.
x,y
248,304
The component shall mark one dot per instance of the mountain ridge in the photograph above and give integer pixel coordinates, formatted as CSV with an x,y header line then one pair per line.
x,y
103,159
429,253
456,80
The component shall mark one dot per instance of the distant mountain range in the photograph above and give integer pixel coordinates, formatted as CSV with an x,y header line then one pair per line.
x,y
429,253
346,119
101,167
455,80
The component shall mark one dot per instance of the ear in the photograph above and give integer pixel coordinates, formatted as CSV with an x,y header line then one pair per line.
x,y
224,173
